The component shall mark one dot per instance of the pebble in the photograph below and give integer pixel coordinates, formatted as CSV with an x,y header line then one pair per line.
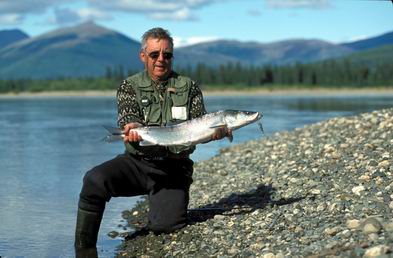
x,y
358,190
372,225
353,224
376,251
324,190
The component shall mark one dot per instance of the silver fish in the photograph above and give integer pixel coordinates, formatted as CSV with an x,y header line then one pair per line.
x,y
191,132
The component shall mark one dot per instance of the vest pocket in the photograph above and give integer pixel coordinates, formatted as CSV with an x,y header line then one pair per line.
x,y
151,107
180,97
179,109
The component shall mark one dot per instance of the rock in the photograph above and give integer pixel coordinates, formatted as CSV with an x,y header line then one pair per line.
x,y
113,234
332,231
371,225
358,189
384,164
376,251
389,227
269,255
353,224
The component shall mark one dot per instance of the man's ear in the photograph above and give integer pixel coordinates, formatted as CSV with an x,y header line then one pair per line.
x,y
142,56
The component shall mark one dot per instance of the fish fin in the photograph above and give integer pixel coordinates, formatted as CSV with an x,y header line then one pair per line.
x,y
230,138
113,130
218,126
147,143
112,138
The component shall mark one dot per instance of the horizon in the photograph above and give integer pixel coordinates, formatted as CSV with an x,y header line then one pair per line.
x,y
205,41
244,21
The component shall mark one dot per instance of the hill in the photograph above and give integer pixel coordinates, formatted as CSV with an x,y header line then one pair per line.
x,y
84,50
365,44
277,53
8,37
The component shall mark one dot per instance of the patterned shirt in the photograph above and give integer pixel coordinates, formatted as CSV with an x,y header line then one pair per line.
x,y
128,107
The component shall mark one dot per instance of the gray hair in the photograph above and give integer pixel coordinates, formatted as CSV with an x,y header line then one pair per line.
x,y
156,33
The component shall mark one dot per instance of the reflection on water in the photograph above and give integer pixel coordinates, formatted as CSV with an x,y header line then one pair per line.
x,y
340,104
47,144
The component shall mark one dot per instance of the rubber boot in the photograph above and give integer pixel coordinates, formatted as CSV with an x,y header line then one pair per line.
x,y
87,227
86,253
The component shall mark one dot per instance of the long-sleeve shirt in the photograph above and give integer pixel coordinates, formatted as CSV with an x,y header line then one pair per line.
x,y
129,111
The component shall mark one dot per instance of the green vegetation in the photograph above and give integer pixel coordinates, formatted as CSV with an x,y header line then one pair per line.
x,y
331,73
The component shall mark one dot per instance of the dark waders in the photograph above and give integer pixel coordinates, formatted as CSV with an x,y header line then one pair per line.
x,y
166,181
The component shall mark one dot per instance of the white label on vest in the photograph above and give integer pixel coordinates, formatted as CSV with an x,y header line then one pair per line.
x,y
179,113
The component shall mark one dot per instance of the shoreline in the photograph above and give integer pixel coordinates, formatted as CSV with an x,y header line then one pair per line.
x,y
388,91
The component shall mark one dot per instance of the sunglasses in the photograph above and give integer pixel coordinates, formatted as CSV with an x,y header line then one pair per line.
x,y
156,54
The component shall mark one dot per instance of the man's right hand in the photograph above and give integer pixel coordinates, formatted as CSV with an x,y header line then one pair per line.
x,y
131,136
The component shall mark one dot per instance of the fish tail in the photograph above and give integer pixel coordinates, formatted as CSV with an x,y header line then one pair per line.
x,y
112,138
113,130
115,134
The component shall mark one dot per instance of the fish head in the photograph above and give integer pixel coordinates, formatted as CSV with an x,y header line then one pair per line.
x,y
235,118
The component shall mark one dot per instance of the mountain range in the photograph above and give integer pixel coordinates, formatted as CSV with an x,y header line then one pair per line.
x,y
89,50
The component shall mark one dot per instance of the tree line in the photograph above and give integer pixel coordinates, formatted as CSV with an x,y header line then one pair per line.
x,y
330,73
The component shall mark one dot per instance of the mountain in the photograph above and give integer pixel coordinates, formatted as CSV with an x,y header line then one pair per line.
x,y
88,50
374,42
8,37
84,50
278,53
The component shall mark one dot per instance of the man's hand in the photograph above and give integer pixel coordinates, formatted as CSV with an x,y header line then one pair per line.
x,y
131,136
222,132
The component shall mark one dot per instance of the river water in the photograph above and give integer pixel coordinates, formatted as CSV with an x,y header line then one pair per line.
x,y
47,144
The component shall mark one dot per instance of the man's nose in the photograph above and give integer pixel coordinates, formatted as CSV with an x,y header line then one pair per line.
x,y
161,57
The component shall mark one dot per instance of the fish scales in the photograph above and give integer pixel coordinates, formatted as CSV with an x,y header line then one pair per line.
x,y
191,132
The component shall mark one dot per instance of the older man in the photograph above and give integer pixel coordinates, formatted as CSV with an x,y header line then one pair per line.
x,y
154,97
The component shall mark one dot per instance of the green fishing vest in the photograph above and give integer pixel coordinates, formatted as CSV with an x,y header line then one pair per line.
x,y
171,108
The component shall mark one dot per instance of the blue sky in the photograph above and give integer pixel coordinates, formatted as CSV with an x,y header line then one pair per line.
x,y
192,21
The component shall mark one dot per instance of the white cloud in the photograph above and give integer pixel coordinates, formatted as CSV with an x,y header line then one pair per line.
x,y
10,19
14,12
313,4
64,11
92,14
179,15
181,42
155,9
27,7
65,16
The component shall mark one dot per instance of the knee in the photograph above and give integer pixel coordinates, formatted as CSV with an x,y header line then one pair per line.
x,y
92,179
94,183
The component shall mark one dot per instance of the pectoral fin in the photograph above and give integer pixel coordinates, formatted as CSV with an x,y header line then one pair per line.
x,y
218,126
230,137
147,143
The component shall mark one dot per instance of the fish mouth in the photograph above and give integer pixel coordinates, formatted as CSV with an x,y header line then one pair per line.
x,y
256,116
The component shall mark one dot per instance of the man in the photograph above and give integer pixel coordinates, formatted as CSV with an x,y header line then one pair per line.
x,y
155,97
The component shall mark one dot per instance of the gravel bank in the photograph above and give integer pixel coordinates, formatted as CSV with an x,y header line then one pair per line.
x,y
325,190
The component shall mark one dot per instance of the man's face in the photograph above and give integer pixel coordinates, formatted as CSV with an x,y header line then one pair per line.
x,y
157,58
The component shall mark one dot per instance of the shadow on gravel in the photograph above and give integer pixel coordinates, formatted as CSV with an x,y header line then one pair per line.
x,y
234,204
237,204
